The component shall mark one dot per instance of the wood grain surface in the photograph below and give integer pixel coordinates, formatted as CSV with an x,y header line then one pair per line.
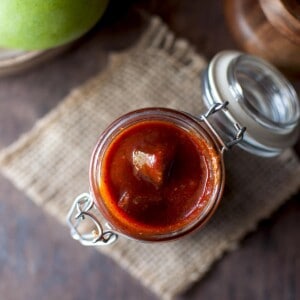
x,y
38,259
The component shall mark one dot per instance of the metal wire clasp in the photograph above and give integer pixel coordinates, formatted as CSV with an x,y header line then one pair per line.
x,y
240,130
80,212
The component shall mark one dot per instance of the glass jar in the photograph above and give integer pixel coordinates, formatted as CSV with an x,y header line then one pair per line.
x,y
157,174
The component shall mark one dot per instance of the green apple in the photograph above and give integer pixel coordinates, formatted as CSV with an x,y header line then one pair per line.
x,y
42,24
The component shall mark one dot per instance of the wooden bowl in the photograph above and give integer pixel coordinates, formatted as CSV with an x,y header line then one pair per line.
x,y
16,61
267,28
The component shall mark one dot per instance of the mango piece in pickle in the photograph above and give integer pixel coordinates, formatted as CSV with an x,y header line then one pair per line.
x,y
154,163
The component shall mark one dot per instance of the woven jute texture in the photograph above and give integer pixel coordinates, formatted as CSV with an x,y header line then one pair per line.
x,y
51,162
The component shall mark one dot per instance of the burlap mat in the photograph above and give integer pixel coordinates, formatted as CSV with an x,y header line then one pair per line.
x,y
51,162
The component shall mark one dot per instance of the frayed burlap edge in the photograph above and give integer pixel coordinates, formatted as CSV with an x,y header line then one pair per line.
x,y
156,37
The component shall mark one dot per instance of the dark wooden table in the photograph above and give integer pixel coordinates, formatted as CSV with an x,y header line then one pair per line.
x,y
38,259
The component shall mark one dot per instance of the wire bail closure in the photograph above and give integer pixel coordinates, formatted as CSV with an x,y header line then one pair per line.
x,y
81,210
240,130
79,213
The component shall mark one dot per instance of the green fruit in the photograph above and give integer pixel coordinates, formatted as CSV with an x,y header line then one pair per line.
x,y
42,24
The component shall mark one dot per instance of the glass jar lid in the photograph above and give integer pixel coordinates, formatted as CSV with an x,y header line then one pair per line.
x,y
259,98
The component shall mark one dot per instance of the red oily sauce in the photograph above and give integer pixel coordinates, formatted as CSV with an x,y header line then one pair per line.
x,y
156,179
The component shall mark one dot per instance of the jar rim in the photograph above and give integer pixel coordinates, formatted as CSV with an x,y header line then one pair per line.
x,y
106,139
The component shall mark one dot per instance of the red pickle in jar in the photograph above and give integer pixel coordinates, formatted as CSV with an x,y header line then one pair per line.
x,y
158,177
157,174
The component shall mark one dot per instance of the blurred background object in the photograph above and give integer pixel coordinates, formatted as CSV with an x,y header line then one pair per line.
x,y
38,25
35,31
267,28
